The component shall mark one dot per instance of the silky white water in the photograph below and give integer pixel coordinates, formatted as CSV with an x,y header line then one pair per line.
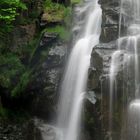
x,y
75,78
128,46
115,66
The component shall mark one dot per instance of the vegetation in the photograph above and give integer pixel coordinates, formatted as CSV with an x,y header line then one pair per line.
x,y
75,1
8,12
16,72
54,11
10,66
61,15
23,82
60,30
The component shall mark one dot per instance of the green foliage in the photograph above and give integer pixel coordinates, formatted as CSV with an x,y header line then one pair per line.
x,y
8,10
33,45
3,112
67,17
19,116
22,84
8,13
55,12
60,30
14,75
49,5
34,14
75,1
10,67
58,13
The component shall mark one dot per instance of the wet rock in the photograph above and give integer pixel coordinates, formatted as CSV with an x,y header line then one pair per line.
x,y
107,46
33,132
48,76
50,18
92,120
98,83
91,97
100,60
110,20
19,131
48,38
48,132
56,56
111,2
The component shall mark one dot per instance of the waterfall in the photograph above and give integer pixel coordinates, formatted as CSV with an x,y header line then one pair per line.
x,y
115,66
75,77
128,48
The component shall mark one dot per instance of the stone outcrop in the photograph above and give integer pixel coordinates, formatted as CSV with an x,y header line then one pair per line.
x,y
26,130
110,20
49,59
98,81
22,35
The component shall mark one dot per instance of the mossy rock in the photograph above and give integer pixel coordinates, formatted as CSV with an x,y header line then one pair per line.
x,y
51,16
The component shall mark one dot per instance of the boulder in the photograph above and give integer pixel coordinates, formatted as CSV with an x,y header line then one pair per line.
x,y
110,20
49,60
15,130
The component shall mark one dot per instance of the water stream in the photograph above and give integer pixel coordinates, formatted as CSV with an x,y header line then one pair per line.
x,y
128,48
124,100
75,78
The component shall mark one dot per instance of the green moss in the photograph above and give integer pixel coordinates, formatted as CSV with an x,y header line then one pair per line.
x,y
13,74
68,17
63,33
75,1
54,11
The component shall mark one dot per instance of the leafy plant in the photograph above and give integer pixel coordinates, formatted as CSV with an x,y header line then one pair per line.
x,y
21,86
13,74
54,11
10,66
67,17
60,30
8,12
75,1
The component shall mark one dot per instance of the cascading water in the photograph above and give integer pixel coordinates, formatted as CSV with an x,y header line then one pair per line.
x,y
128,48
75,78
115,66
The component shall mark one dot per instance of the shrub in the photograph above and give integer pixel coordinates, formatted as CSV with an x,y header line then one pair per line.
x,y
10,66
8,12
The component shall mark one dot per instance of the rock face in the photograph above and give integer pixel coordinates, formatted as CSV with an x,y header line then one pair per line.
x,y
110,24
22,35
49,59
19,131
98,81
48,132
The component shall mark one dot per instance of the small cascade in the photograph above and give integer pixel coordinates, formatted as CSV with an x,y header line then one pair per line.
x,y
115,66
75,78
128,55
